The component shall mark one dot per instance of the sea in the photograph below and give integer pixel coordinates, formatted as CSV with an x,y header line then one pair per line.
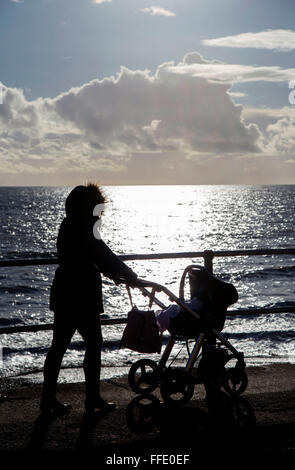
x,y
149,220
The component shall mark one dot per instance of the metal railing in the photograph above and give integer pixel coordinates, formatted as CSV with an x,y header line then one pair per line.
x,y
207,255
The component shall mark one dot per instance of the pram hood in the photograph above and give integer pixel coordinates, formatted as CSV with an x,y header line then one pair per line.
x,y
216,295
208,287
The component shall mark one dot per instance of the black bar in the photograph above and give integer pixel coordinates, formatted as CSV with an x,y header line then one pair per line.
x,y
151,256
208,260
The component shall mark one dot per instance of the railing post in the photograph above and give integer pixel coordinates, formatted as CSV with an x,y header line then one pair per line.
x,y
208,260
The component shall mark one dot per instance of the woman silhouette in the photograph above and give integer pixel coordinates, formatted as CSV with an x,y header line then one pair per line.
x,y
76,296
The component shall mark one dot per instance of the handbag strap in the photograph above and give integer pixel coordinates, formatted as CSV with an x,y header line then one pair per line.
x,y
130,296
152,297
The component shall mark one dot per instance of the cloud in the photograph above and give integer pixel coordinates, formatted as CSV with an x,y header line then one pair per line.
x,y
278,127
263,117
140,112
180,119
158,11
271,113
275,39
98,2
196,66
281,136
237,94
32,140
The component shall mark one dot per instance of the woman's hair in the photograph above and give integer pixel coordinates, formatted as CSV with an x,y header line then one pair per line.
x,y
82,200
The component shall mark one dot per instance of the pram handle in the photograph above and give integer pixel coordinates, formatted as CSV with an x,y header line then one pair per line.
x,y
142,284
138,283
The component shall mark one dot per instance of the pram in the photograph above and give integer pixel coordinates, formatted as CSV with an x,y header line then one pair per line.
x,y
210,354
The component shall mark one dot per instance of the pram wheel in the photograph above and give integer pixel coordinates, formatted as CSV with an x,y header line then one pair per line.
x,y
177,387
142,413
235,381
142,376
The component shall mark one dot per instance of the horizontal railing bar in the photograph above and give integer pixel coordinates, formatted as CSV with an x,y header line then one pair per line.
x,y
151,256
217,253
258,252
49,326
123,320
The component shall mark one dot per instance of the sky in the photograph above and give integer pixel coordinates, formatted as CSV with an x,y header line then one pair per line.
x,y
143,92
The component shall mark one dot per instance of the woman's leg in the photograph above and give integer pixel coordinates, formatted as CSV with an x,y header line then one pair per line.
x,y
92,336
62,335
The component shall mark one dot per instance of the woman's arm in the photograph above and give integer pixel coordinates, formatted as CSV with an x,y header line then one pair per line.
x,y
109,263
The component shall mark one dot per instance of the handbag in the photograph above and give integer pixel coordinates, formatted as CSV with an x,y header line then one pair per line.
x,y
141,332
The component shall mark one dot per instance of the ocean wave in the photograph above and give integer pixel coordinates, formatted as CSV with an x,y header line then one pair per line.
x,y
74,346
286,271
280,304
14,255
18,289
272,335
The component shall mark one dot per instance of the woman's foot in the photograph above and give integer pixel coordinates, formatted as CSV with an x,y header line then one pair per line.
x,y
54,407
101,404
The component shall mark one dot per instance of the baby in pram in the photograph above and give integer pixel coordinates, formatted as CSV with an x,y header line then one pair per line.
x,y
165,317
210,298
